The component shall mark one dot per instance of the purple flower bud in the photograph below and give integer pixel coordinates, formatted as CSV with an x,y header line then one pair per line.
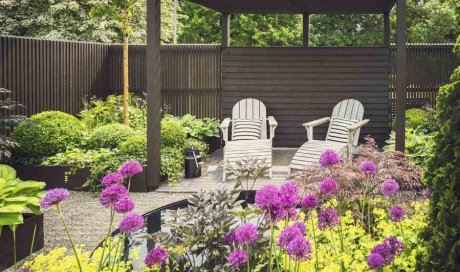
x,y
375,261
130,168
237,258
111,179
289,195
329,158
131,223
111,195
246,234
397,214
368,168
389,187
299,249
328,187
156,256
124,205
327,218
309,202
54,197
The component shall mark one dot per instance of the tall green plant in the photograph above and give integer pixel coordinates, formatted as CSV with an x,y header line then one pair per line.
x,y
443,178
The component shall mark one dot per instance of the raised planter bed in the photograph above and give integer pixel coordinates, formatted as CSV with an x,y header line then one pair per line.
x,y
55,177
215,143
24,236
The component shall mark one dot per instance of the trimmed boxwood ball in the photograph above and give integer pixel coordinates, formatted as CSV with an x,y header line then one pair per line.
x,y
135,146
48,133
109,136
172,134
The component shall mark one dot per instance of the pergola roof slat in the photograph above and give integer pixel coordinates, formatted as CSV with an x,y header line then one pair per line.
x,y
298,6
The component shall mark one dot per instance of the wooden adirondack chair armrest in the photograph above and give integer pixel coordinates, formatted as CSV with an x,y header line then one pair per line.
x,y
224,127
358,125
273,124
310,125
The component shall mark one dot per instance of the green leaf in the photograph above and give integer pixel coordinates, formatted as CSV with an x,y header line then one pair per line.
x,y
7,172
35,209
11,219
12,208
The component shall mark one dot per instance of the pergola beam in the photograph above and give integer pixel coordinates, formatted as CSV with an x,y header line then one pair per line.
x,y
306,29
153,67
401,73
386,29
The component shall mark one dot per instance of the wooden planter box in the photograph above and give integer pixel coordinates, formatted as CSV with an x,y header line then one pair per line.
x,y
55,177
215,143
24,234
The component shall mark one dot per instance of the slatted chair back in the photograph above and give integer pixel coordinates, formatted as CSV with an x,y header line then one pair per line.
x,y
344,114
251,109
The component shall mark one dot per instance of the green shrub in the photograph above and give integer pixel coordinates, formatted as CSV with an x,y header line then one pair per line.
x,y
418,145
419,119
135,146
442,176
99,112
172,160
200,145
47,133
196,128
109,136
172,134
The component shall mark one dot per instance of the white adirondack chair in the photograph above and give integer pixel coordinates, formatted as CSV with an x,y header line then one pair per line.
x,y
246,141
342,136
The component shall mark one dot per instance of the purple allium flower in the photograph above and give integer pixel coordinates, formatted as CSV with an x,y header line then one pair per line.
x,y
309,202
289,195
290,233
384,251
375,261
111,179
229,238
276,214
329,158
130,168
328,187
299,249
124,205
327,218
396,246
397,214
389,187
237,258
426,192
131,223
54,197
368,168
292,214
246,234
267,199
111,195
156,256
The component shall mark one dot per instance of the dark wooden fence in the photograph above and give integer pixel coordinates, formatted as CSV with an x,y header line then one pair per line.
x,y
58,75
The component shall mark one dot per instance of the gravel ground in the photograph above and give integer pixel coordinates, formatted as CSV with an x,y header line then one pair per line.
x,y
88,221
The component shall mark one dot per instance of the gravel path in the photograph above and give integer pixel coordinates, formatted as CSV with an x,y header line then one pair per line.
x,y
88,221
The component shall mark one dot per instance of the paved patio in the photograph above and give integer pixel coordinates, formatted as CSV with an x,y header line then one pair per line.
x,y
211,176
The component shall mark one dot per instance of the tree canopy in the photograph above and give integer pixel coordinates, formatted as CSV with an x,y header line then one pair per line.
x,y
428,21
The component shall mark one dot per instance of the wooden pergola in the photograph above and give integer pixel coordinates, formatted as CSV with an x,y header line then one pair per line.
x,y
304,7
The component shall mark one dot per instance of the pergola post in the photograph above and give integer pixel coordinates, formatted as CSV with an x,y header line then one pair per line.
x,y
401,73
153,68
306,29
386,29
225,29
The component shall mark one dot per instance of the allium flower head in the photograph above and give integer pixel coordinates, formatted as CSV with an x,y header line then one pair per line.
x,y
368,168
327,218
397,214
389,187
309,202
267,199
131,223
426,192
111,195
111,179
384,251
124,205
328,187
329,158
230,238
290,233
237,258
299,249
289,195
292,214
130,168
54,197
246,234
375,261
396,247
156,256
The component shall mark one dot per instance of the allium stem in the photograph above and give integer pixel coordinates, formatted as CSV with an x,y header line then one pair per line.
x,y
15,258
314,242
272,232
69,236
129,183
107,239
33,240
369,217
342,248
249,258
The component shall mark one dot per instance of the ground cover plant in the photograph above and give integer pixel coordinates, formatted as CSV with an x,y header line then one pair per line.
x,y
99,142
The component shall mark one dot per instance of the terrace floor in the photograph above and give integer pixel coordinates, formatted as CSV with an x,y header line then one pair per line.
x,y
211,174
